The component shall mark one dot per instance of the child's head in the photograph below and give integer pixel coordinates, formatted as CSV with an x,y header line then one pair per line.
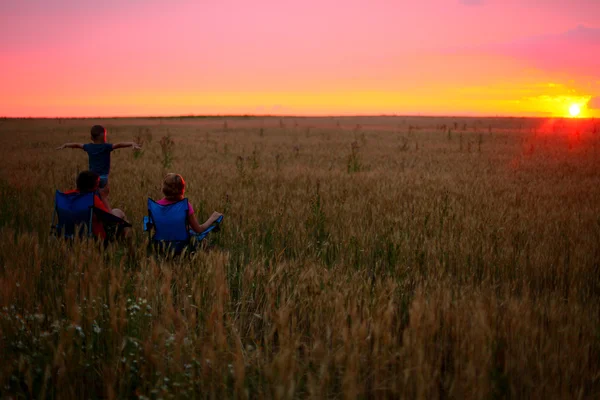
x,y
88,181
98,134
173,187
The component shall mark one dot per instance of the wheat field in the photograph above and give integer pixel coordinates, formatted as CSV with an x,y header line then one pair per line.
x,y
382,257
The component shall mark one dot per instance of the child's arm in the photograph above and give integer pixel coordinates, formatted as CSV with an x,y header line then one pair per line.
x,y
70,146
201,228
126,144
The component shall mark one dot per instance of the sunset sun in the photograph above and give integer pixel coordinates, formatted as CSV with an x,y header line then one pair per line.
x,y
574,110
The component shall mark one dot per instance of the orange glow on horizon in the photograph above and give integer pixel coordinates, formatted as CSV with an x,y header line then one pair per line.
x,y
429,101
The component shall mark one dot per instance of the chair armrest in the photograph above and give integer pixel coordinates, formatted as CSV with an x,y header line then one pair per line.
x,y
108,218
148,224
213,228
216,226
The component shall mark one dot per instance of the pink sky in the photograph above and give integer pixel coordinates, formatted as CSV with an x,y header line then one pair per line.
x,y
148,57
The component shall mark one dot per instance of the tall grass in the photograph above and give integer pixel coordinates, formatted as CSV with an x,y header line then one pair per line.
x,y
432,273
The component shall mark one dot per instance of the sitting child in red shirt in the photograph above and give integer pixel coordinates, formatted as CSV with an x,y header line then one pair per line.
x,y
88,181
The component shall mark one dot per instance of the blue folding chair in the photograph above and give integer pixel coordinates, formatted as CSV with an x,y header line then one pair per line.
x,y
172,233
73,214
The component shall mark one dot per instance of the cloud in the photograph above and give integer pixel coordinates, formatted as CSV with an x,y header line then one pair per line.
x,y
594,103
472,2
575,52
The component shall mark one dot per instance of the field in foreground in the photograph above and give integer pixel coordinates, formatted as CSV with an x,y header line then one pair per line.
x,y
360,257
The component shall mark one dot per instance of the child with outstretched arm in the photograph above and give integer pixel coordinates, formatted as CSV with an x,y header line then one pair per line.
x,y
99,152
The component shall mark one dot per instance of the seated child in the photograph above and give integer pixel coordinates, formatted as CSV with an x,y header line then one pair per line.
x,y
99,152
88,181
174,189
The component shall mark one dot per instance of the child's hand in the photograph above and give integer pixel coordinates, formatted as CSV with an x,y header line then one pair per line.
x,y
61,147
136,146
215,216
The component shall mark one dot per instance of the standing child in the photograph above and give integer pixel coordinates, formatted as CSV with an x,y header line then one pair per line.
x,y
99,152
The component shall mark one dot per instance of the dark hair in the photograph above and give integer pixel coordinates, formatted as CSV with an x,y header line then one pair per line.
x,y
98,131
87,181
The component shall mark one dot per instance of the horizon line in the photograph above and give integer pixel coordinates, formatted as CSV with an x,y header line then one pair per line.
x,y
250,116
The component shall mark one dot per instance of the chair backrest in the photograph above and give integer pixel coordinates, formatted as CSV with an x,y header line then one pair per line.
x,y
170,221
74,210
